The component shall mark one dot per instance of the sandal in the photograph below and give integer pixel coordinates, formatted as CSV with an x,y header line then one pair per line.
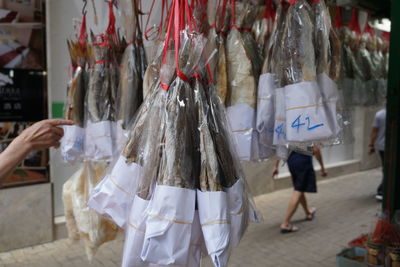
x,y
290,229
312,214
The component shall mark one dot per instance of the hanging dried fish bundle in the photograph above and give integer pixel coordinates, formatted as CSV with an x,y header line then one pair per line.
x,y
243,67
180,154
72,141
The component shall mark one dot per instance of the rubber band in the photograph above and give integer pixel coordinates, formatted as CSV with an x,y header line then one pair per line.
x,y
100,62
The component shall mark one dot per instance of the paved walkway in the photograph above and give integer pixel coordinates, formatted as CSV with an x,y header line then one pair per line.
x,y
346,208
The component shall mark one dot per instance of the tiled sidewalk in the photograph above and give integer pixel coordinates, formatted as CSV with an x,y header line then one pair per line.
x,y
346,207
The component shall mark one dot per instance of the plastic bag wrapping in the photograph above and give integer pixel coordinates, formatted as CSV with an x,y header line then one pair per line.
x,y
82,222
98,140
72,142
243,66
211,198
306,119
114,195
152,72
134,64
261,27
327,56
173,201
241,209
265,118
363,58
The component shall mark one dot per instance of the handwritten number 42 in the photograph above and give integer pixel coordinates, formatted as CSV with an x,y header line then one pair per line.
x,y
297,123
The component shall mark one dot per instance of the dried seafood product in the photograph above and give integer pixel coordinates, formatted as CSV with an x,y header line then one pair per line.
x,y
243,67
306,119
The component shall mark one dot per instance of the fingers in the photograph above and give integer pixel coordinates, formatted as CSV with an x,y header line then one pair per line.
x,y
58,131
59,122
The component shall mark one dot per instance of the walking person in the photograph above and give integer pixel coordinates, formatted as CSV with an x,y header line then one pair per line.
x,y
378,139
304,181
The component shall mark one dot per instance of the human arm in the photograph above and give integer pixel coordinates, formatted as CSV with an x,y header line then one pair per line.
x,y
275,171
318,156
373,137
41,135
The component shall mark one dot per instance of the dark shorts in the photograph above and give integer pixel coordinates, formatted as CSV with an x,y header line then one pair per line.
x,y
302,171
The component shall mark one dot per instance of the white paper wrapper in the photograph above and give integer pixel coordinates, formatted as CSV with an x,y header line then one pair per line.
x,y
279,137
306,119
241,119
259,151
120,136
114,195
72,143
330,97
197,246
98,140
237,212
215,223
265,109
134,234
168,226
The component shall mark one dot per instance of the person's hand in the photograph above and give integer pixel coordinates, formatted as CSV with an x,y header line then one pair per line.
x,y
371,150
42,135
324,173
275,172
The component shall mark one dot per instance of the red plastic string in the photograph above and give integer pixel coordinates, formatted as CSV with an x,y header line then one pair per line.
x,y
386,36
167,38
164,86
233,7
354,25
292,2
111,23
338,20
177,27
269,10
82,32
223,13
368,29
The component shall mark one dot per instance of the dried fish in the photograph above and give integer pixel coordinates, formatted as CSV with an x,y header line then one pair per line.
x,y
297,55
99,93
241,75
76,90
210,171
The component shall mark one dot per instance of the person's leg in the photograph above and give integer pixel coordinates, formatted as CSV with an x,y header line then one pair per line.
x,y
303,201
293,204
380,187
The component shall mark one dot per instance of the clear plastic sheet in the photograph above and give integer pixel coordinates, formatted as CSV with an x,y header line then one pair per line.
x,y
306,118
72,143
243,68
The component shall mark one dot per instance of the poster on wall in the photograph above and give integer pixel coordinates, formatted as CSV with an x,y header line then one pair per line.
x,y
22,95
22,34
33,169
